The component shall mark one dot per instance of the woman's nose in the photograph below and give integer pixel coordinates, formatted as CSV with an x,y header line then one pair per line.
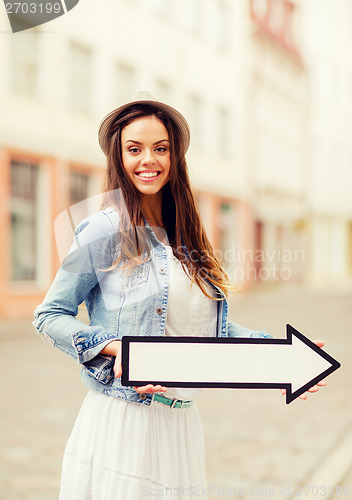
x,y
148,157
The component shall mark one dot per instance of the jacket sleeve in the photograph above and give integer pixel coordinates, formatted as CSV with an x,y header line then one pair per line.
x,y
81,271
235,330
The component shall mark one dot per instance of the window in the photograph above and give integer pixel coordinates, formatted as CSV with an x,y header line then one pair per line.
x,y
79,192
221,24
163,90
224,136
260,8
162,6
80,78
278,19
291,24
162,9
125,78
79,187
196,121
194,16
24,227
277,16
227,233
25,62
349,247
205,209
347,100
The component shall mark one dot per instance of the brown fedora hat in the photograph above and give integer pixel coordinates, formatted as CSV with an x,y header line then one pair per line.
x,y
106,129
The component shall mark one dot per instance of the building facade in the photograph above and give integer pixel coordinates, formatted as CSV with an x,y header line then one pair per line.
x,y
330,180
300,122
278,113
267,101
60,79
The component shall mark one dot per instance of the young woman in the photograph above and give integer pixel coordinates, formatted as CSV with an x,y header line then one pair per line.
x,y
143,266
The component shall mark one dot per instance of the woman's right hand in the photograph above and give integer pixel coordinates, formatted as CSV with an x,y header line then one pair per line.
x,y
114,349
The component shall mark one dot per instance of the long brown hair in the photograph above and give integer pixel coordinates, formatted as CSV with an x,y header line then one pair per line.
x,y
185,231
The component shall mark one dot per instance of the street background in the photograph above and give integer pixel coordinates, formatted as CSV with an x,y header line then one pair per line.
x,y
256,445
266,88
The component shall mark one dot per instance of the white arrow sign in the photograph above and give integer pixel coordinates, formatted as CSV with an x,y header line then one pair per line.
x,y
294,363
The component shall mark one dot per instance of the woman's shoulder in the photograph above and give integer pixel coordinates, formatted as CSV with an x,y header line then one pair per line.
x,y
100,223
98,230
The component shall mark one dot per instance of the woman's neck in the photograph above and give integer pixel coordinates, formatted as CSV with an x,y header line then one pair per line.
x,y
152,209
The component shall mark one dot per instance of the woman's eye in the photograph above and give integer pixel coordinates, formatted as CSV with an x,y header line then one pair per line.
x,y
134,150
161,149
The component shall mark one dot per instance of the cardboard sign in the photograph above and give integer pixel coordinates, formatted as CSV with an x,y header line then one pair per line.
x,y
294,363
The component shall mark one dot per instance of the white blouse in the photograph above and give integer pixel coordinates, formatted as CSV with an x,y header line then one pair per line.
x,y
190,313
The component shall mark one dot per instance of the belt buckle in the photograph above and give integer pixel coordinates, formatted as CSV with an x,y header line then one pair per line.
x,y
174,403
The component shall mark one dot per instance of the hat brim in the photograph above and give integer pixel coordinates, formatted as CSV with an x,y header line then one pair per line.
x,y
105,128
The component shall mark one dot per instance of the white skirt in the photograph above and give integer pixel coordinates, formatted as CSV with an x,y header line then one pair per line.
x,y
129,451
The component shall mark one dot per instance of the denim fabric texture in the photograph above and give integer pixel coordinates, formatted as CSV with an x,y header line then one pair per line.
x,y
119,302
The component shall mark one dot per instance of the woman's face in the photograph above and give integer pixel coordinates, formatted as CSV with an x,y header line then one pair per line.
x,y
146,154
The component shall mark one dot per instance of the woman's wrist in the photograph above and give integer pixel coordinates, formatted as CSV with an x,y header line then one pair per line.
x,y
112,348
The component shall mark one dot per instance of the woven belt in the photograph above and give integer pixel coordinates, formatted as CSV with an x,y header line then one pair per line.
x,y
173,403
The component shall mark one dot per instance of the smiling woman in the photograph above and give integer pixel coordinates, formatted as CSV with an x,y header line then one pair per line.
x,y
143,266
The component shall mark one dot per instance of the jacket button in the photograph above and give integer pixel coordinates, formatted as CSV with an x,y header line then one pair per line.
x,y
159,310
143,396
162,270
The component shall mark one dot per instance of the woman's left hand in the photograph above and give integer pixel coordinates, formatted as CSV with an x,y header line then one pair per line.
x,y
316,387
150,389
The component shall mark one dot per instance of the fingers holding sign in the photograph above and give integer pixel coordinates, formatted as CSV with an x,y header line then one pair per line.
x,y
316,387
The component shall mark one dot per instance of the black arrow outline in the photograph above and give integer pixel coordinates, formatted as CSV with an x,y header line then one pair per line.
x,y
290,332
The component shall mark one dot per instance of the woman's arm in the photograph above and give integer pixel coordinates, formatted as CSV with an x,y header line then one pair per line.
x,y
114,349
82,270
236,330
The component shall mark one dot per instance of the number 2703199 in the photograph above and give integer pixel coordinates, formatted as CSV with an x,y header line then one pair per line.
x,y
32,8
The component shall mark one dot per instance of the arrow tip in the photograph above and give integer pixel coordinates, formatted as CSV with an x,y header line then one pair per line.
x,y
313,364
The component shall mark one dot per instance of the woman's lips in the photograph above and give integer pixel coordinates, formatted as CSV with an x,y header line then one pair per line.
x,y
148,175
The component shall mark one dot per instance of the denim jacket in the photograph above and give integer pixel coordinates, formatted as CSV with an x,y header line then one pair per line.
x,y
119,302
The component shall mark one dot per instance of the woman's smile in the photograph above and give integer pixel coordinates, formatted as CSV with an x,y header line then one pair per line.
x,y
148,175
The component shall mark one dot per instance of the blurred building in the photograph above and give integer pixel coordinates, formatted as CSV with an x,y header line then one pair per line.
x,y
270,158
299,134
60,79
327,54
278,149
